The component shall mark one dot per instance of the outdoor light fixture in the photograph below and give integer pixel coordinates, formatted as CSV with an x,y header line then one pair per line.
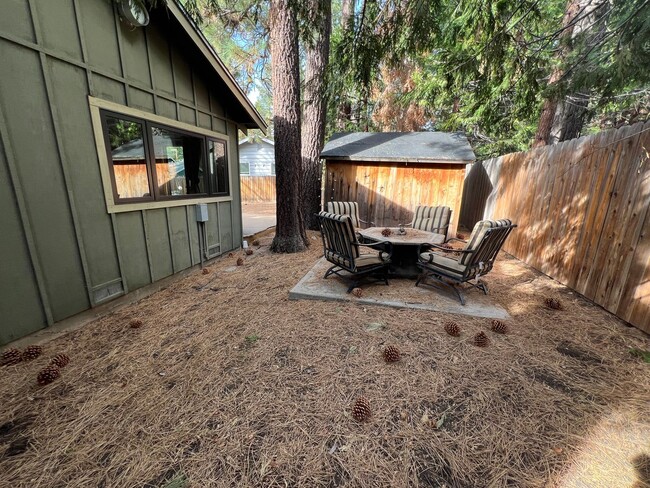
x,y
133,12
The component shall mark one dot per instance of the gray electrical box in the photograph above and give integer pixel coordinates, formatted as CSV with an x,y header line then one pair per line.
x,y
201,212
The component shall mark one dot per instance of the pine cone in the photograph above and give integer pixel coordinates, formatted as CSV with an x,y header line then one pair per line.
x,y
553,303
256,242
240,261
481,340
452,328
248,252
230,254
391,354
48,375
361,410
136,323
10,357
386,232
32,352
357,292
60,360
499,327
460,236
205,271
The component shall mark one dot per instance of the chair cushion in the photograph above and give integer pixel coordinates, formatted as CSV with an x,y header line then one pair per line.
x,y
345,208
437,261
431,218
336,258
371,259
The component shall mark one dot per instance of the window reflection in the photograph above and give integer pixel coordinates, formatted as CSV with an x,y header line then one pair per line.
x,y
218,167
128,158
179,163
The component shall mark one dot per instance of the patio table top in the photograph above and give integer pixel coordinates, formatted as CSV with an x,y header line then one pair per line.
x,y
413,237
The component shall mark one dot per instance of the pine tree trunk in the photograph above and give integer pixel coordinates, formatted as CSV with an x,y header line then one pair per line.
x,y
289,231
344,114
571,118
314,111
574,116
545,124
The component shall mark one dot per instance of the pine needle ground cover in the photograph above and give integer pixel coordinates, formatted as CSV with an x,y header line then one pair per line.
x,y
229,383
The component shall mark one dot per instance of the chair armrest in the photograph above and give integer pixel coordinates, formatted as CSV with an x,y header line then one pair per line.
x,y
382,246
456,239
444,227
427,247
366,222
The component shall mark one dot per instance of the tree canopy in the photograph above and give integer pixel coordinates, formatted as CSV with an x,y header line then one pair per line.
x,y
482,67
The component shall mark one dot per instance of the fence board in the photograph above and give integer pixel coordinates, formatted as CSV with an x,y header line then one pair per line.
x,y
583,209
257,188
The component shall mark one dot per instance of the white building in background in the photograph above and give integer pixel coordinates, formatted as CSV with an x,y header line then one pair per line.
x,y
256,157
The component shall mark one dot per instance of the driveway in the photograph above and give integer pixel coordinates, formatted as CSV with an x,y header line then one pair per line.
x,y
257,217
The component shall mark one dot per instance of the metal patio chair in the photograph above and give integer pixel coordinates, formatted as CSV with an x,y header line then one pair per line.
x,y
341,248
432,219
473,261
347,208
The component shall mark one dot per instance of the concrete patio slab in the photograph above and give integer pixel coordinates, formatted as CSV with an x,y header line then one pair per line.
x,y
401,293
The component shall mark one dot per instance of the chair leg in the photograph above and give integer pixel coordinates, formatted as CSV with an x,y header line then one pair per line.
x,y
330,271
482,286
438,282
458,294
421,276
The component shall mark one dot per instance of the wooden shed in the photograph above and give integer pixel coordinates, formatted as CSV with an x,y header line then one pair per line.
x,y
115,123
389,173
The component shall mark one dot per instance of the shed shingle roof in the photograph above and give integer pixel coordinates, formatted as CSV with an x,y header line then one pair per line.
x,y
412,147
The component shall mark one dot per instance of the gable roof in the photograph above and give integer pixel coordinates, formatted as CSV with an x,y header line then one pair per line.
x,y
411,147
246,140
190,27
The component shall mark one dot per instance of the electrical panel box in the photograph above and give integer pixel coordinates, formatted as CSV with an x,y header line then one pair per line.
x,y
201,212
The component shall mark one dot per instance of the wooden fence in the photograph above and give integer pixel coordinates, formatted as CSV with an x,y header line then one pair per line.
x,y
257,188
582,207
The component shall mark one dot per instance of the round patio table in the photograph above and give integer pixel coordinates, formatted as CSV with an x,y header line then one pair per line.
x,y
405,247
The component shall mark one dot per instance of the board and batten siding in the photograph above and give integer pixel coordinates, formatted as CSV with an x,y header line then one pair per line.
x,y
583,214
387,193
62,252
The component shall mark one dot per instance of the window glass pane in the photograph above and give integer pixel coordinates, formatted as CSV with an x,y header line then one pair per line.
x,y
218,167
128,157
244,168
179,163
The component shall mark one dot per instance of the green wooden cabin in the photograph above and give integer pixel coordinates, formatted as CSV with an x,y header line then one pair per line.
x,y
110,134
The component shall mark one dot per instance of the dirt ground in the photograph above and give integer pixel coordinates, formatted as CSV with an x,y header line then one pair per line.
x,y
229,383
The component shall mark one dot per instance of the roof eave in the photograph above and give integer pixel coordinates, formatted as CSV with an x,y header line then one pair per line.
x,y
208,51
398,160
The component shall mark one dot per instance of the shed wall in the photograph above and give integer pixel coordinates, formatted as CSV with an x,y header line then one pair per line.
x,y
62,251
387,193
